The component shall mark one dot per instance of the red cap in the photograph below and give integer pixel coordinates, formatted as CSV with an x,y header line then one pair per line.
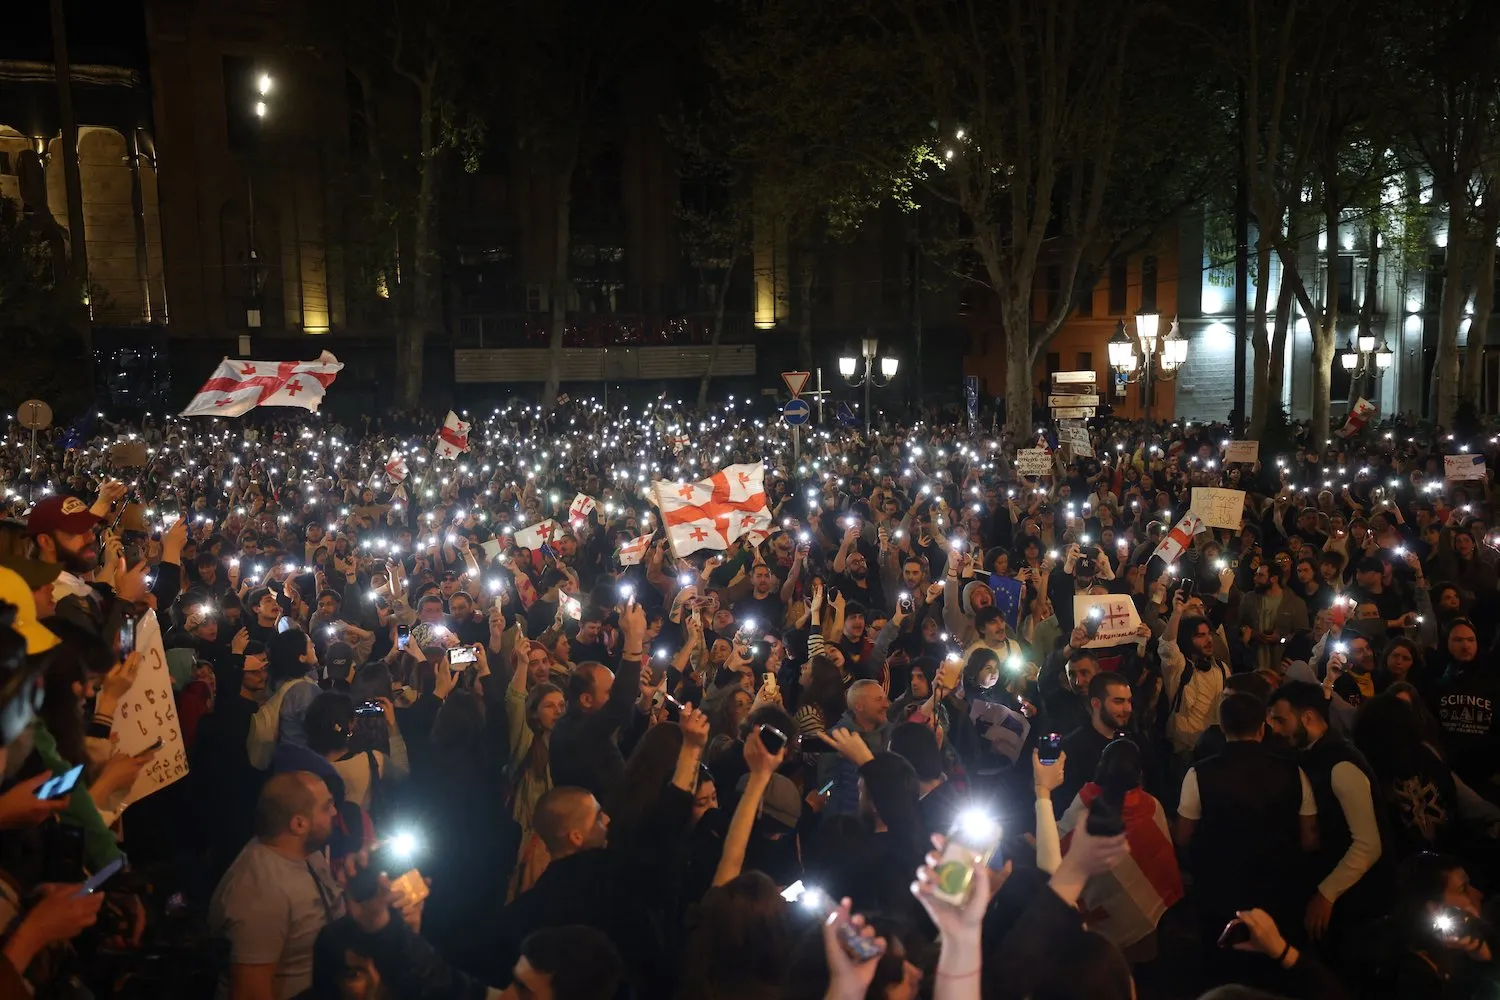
x,y
61,513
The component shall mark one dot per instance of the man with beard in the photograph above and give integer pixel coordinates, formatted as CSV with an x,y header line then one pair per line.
x,y
764,603
854,579
279,893
62,529
1192,681
1351,824
1109,713
1270,614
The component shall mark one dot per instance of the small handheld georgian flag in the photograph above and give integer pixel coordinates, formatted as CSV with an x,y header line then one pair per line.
x,y
453,437
237,387
395,467
582,505
1179,538
634,550
534,536
1359,415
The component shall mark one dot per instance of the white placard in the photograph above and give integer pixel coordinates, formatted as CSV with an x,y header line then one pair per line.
x,y
1463,467
1242,451
1118,619
1082,399
1077,438
148,712
1004,728
1219,508
1033,462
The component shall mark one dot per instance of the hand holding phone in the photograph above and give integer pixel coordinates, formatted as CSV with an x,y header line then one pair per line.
x,y
60,786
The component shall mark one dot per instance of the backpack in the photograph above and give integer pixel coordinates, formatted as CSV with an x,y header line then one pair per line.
x,y
265,727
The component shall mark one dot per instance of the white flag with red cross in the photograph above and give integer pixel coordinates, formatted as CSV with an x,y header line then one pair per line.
x,y
395,467
634,550
582,505
237,387
1179,538
453,437
712,513
533,536
1359,415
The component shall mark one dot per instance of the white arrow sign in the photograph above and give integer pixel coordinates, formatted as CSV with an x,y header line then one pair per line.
x,y
1080,400
1076,412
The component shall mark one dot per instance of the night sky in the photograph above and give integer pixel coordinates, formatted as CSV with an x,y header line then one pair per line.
x,y
111,32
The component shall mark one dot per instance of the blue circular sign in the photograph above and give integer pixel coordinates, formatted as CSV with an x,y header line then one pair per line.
x,y
796,411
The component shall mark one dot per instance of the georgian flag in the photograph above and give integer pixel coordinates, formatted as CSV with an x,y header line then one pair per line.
x,y
395,467
1179,538
712,513
453,437
533,536
581,506
634,550
1359,415
237,387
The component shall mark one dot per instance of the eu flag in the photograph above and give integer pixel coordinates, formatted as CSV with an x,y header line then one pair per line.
x,y
1007,591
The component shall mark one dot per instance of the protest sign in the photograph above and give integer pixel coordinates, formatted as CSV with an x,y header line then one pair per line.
x,y
1033,462
148,712
1463,467
1004,728
1218,508
1117,618
1077,438
1242,451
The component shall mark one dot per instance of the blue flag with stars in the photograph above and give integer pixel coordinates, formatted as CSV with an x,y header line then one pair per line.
x,y
1007,591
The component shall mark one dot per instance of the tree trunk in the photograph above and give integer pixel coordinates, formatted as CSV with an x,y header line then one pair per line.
x,y
559,291
1276,373
1446,370
1325,329
1016,315
1484,301
718,330
1261,390
424,312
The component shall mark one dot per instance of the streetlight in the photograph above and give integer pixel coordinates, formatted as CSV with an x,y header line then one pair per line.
x,y
1167,353
888,366
256,270
1363,360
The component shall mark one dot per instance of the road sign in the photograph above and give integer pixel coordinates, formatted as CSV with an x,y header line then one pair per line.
x,y
796,412
1075,412
34,415
795,381
1065,377
1079,400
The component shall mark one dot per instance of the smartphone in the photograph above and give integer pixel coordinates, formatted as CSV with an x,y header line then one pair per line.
x,y
462,654
1091,622
125,638
972,842
403,633
768,681
1049,747
1188,586
369,708
283,624
827,788
151,749
101,876
773,739
62,784
1235,932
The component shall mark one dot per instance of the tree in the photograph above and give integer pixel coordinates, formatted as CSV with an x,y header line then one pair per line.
x,y
418,101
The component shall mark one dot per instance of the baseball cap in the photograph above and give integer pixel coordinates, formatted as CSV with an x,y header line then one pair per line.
x,y
36,573
339,658
13,590
781,804
61,513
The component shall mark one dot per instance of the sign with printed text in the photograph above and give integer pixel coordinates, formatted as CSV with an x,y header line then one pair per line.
x,y
148,712
1074,413
1218,508
1117,618
1242,451
1463,467
1073,378
1082,399
1033,462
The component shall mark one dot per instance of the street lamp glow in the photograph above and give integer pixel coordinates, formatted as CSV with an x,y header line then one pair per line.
x,y
888,367
846,367
260,109
263,84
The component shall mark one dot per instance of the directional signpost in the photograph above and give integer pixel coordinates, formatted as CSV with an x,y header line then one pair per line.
x,y
1074,397
796,411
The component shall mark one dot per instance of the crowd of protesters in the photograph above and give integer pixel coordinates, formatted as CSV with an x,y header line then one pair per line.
x,y
425,761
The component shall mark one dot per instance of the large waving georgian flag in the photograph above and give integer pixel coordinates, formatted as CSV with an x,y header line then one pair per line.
x,y
712,513
238,387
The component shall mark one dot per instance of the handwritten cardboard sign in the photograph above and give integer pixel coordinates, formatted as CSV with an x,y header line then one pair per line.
x,y
1033,462
1242,451
1117,618
1077,438
148,712
1218,508
1463,467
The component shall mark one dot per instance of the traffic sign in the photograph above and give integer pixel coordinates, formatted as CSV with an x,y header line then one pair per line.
x,y
34,415
796,412
1079,400
1078,412
795,381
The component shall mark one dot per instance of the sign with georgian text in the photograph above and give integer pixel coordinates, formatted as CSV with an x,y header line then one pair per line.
x,y
1117,618
148,712
1242,451
1219,508
1033,462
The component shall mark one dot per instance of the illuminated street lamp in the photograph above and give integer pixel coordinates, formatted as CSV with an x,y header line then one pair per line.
x,y
869,348
1159,357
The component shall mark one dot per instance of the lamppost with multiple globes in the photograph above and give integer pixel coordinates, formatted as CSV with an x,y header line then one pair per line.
x,y
1364,360
848,366
1169,353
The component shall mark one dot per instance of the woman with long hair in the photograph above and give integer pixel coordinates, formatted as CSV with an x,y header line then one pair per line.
x,y
532,714
821,701
647,774
736,949
1400,660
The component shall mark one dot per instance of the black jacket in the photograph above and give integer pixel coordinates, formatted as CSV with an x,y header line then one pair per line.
x,y
583,749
